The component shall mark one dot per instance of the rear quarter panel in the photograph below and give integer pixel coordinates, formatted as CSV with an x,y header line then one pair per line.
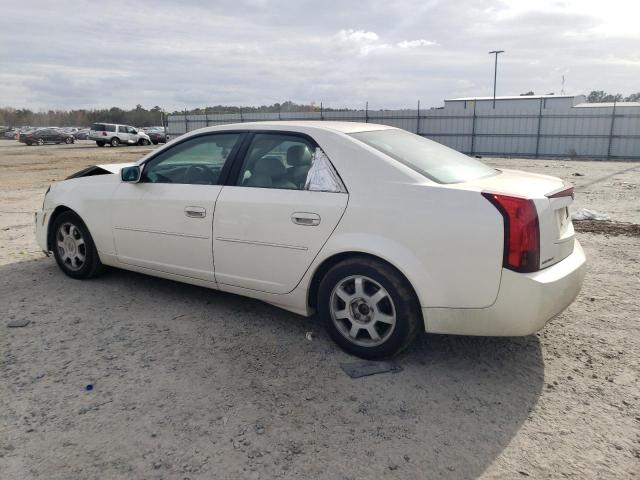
x,y
446,240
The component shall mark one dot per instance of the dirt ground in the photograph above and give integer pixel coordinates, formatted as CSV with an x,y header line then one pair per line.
x,y
193,383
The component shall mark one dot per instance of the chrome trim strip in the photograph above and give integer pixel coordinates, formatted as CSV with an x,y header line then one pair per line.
x,y
264,244
176,234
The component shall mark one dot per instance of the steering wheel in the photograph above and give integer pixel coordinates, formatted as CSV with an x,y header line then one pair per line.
x,y
195,174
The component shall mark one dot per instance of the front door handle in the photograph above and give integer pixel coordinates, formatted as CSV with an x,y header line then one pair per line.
x,y
305,218
195,212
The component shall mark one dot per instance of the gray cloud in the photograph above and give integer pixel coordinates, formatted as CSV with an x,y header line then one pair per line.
x,y
185,54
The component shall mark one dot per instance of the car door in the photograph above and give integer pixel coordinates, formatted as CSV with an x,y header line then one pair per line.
x,y
123,134
269,226
164,222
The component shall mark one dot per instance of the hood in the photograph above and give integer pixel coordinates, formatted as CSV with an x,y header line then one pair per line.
x,y
104,169
115,167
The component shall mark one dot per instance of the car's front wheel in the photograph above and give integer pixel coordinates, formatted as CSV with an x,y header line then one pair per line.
x,y
99,143
368,308
40,142
73,247
115,141
68,140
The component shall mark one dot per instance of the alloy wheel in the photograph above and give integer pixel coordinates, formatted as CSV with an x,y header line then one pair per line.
x,y
362,310
71,246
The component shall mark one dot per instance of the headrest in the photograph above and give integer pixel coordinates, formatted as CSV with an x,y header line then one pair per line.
x,y
298,155
271,166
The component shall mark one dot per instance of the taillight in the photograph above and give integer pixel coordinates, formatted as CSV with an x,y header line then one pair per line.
x,y
521,232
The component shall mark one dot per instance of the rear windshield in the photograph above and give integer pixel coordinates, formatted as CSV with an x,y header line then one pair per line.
x,y
432,159
101,127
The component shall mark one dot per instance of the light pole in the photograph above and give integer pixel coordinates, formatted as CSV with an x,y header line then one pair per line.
x,y
495,74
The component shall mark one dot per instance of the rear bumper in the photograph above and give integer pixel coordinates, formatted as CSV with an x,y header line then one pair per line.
x,y
525,302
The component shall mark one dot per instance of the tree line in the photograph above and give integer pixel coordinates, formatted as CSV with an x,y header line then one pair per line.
x,y
138,116
142,117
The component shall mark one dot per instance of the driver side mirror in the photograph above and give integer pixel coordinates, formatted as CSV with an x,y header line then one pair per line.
x,y
131,174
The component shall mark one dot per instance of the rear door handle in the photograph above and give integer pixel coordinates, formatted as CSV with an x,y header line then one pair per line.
x,y
305,218
195,212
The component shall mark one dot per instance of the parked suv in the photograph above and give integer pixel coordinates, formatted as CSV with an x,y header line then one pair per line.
x,y
114,135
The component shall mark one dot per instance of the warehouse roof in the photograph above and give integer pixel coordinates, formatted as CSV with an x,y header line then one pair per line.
x,y
510,97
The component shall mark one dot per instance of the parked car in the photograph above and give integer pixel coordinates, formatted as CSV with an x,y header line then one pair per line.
x,y
115,135
157,135
45,135
82,134
383,232
10,133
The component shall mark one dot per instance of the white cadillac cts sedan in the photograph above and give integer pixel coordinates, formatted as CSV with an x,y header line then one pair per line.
x,y
382,232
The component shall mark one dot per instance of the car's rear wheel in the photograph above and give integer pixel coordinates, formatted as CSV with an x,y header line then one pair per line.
x,y
155,142
99,143
68,140
40,141
115,141
73,247
368,308
143,141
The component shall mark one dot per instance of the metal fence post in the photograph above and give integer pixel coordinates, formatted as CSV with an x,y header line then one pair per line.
x,y
321,112
473,129
539,129
206,117
418,120
613,121
366,113
279,109
241,117
186,122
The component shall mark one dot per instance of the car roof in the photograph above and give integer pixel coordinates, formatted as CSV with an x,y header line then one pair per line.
x,y
302,125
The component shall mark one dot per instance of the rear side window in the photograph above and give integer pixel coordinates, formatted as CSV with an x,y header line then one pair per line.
x,y
432,159
101,127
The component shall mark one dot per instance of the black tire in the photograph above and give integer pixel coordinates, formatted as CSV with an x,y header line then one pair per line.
x,y
408,315
99,143
68,140
115,141
40,142
155,142
91,265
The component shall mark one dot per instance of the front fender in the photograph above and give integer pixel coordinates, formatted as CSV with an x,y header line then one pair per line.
x,y
90,198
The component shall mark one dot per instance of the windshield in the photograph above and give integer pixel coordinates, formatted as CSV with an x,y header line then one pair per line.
x,y
433,160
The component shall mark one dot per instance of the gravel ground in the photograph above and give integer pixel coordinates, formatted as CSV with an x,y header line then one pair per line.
x,y
194,383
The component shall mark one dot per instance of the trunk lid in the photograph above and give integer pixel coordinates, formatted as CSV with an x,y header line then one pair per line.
x,y
552,198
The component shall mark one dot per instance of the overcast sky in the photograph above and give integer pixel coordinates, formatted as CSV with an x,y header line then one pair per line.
x,y
177,54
